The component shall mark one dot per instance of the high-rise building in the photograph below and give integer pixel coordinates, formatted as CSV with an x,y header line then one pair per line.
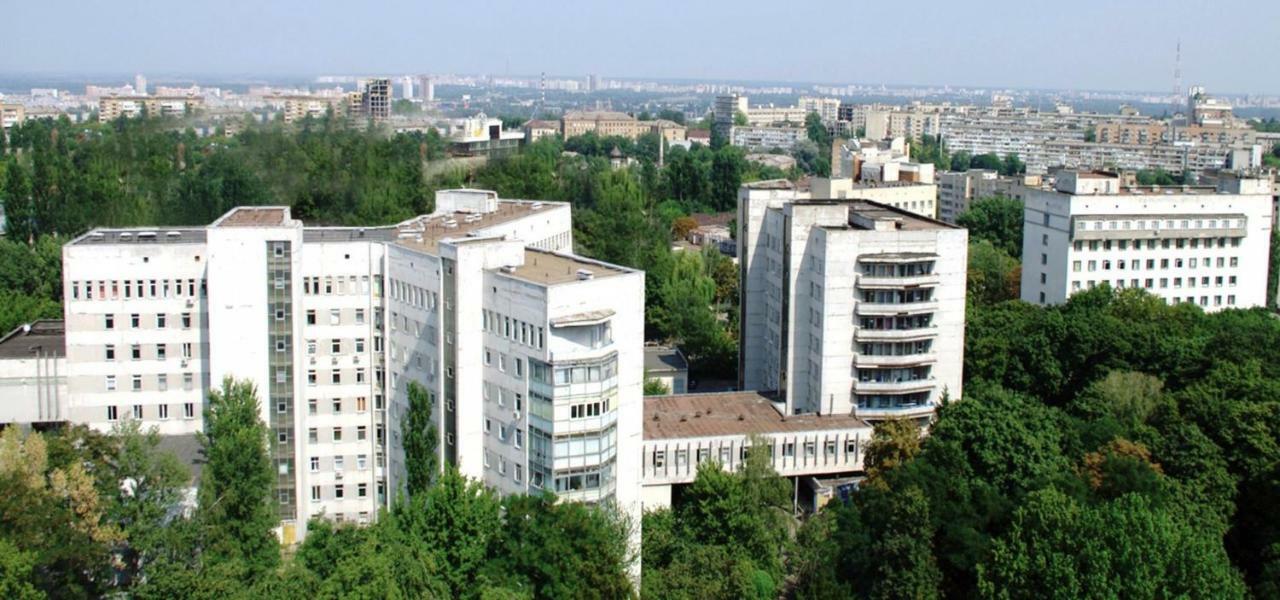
x,y
406,87
1204,245
532,356
139,85
849,307
376,101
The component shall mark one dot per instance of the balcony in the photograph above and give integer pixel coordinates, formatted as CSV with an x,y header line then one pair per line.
x,y
901,335
870,282
874,309
899,412
899,360
894,387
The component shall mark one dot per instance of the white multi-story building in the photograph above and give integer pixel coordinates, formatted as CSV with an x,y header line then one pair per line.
x,y
766,138
1203,245
533,356
849,307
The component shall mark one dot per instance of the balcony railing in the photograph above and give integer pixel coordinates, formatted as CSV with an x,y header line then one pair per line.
x,y
874,309
894,387
895,360
869,335
877,282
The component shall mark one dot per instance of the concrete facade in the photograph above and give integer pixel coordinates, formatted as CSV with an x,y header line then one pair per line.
x,y
532,357
849,307
1203,245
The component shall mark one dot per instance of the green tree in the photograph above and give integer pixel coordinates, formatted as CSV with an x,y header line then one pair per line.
x,y
420,440
16,569
1121,549
993,276
143,484
237,482
894,442
997,219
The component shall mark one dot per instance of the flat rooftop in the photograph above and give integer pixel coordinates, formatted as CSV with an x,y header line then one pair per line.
x,y
425,232
48,337
140,235
661,359
874,211
770,184
255,216
550,268
730,414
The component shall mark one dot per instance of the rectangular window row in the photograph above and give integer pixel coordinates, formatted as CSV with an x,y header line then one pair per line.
x,y
149,411
137,289
340,434
159,381
514,329
1207,262
340,285
517,473
414,296
157,351
335,376
1163,244
359,404
161,320
339,463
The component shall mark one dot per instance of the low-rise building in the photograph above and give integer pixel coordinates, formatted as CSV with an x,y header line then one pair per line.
x,y
608,123
668,367
33,375
12,114
683,432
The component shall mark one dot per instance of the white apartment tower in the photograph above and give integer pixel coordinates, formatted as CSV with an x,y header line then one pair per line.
x,y
1186,244
533,356
849,306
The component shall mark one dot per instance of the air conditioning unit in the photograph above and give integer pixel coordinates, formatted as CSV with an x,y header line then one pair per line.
x,y
356,359
334,360
184,362
515,414
338,475
190,303
313,360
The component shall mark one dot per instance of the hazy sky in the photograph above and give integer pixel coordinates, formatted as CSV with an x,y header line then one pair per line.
x,y
1095,44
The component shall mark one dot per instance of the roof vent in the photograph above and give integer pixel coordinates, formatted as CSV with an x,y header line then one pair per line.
x,y
585,274
536,206
508,269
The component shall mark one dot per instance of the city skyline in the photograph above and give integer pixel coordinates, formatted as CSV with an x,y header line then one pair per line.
x,y
949,45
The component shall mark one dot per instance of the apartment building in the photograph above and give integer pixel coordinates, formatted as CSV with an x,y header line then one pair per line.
x,y
828,109
910,122
754,137
1205,245
12,114
111,108
958,189
299,107
532,356
849,307
915,197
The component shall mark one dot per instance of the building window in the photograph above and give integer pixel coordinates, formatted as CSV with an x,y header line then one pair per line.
x,y
362,404
313,435
186,320
161,321
362,491
111,352
335,316
135,351
338,492
362,461
336,377
162,382
339,463
161,351
188,381
315,493
137,383
135,320
189,410
335,346
337,434
112,414
164,412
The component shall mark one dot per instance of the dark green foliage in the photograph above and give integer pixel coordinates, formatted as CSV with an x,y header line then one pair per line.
x,y
726,539
996,219
420,440
237,482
